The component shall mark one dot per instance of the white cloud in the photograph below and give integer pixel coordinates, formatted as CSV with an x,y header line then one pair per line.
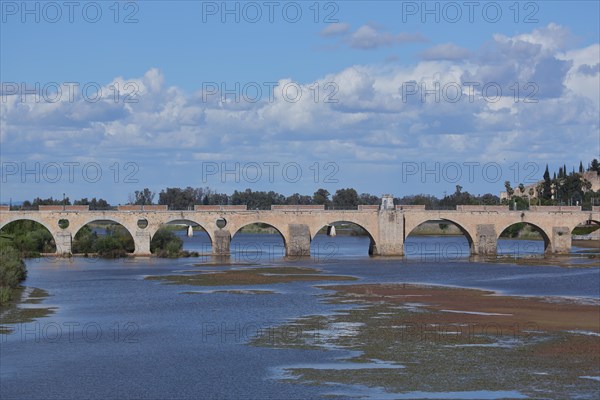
x,y
552,37
335,29
446,51
368,118
369,36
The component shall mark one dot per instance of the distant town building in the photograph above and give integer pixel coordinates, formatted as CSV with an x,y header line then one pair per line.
x,y
531,191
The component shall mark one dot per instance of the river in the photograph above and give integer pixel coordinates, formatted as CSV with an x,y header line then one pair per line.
x,y
116,335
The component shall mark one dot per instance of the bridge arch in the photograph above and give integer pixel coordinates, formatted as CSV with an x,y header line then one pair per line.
x,y
372,243
468,233
75,230
251,252
586,221
83,220
280,229
114,221
42,221
189,222
186,221
543,233
51,230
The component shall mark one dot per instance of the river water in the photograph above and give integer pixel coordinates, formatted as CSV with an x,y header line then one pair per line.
x,y
116,335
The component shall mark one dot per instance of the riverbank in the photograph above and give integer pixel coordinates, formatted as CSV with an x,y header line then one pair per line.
x,y
441,341
588,244
20,310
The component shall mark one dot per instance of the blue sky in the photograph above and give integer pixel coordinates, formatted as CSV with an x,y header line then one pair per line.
x,y
352,124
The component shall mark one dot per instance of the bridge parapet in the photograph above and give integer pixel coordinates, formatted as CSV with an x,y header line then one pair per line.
x,y
411,207
135,207
469,208
364,207
4,208
201,207
554,208
64,208
299,207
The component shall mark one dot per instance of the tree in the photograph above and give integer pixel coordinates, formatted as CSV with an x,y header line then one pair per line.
x,y
595,166
547,185
521,188
12,269
99,204
143,197
85,240
580,167
489,199
509,190
345,198
257,200
457,198
49,202
298,198
368,199
217,199
180,199
321,197
430,202
166,244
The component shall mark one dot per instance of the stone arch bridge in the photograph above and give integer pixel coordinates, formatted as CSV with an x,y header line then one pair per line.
x,y
387,226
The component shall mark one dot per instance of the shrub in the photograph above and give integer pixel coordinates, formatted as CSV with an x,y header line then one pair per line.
x,y
166,244
5,295
12,267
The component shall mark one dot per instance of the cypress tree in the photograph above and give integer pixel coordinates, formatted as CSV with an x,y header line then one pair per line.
x,y
547,185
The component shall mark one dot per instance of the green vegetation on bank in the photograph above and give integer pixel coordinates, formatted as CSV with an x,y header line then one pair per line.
x,y
16,242
115,243
12,271
521,230
29,238
585,230
167,245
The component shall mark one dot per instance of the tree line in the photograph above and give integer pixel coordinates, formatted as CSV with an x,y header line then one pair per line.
x,y
562,188
186,198
347,198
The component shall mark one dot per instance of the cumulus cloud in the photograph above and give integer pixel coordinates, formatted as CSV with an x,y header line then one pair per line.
x,y
335,29
446,51
589,70
427,110
553,37
369,36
